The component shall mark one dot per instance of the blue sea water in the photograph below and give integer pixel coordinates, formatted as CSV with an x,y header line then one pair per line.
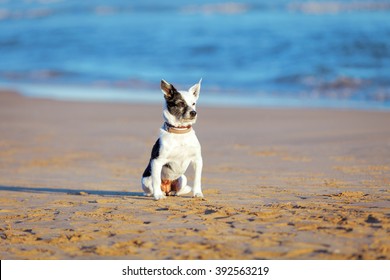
x,y
249,53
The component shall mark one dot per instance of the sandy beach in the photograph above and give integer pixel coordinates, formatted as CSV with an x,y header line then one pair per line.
x,y
278,184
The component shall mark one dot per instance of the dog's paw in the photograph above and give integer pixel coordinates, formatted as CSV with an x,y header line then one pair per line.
x,y
184,190
159,196
198,194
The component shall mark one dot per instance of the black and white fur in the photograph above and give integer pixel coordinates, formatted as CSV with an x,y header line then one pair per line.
x,y
173,153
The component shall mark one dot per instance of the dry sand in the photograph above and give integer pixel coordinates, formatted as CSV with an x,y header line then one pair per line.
x,y
278,184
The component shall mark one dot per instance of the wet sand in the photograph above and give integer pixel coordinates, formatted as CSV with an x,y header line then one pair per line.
x,y
278,184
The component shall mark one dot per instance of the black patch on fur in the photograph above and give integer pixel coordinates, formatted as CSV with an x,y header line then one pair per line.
x,y
155,153
176,104
148,171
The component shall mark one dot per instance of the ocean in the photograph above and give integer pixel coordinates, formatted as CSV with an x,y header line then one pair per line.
x,y
248,53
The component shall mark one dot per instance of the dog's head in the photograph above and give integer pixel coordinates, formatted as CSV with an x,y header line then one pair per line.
x,y
180,106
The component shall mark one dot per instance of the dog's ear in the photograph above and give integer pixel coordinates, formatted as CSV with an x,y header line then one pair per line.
x,y
195,89
168,89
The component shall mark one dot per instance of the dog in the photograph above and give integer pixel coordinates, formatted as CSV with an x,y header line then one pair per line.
x,y
176,148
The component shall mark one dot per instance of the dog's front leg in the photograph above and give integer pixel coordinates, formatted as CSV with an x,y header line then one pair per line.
x,y
198,165
156,166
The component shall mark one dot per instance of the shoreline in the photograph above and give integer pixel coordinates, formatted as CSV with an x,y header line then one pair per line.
x,y
150,96
278,184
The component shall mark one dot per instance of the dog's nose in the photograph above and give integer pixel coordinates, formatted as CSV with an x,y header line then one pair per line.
x,y
192,114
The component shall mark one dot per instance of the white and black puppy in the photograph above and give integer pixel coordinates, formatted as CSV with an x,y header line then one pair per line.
x,y
176,148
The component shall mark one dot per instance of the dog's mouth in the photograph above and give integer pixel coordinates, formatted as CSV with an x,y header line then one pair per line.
x,y
189,116
189,119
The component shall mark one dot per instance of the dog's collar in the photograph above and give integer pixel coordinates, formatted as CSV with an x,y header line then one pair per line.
x,y
177,129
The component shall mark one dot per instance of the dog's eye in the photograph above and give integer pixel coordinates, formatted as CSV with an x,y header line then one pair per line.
x,y
180,104
193,104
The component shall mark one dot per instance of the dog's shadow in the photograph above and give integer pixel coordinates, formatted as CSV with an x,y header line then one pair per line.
x,y
72,191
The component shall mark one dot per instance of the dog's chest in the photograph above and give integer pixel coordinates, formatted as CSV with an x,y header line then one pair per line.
x,y
181,149
178,153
